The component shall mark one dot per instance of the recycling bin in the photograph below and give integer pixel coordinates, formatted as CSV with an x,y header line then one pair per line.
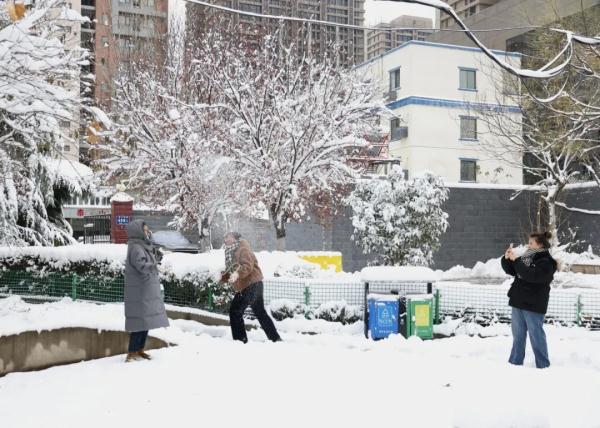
x,y
382,315
416,315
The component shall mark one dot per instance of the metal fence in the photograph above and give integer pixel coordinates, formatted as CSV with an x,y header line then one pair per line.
x,y
480,303
483,304
55,286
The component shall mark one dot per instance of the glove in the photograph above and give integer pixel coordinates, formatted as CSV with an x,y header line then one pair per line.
x,y
224,279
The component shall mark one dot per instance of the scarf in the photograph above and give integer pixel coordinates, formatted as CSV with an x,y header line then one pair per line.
x,y
230,250
527,257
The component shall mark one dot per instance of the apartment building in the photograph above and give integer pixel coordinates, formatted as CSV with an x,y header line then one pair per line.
x,y
464,9
439,94
117,31
352,41
515,17
400,30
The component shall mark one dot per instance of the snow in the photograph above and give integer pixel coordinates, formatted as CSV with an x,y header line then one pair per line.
x,y
71,170
121,197
340,378
398,273
101,117
383,297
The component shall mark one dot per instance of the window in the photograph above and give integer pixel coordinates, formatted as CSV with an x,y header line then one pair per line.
x,y
394,79
397,132
468,170
468,128
104,87
150,3
104,19
103,61
66,148
468,79
104,41
65,124
137,3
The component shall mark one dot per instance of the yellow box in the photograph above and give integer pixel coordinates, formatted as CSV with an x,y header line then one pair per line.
x,y
325,260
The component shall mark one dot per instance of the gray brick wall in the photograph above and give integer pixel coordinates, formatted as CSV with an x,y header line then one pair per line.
x,y
482,222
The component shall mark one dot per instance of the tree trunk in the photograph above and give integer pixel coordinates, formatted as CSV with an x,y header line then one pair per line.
x,y
551,199
205,242
327,235
279,220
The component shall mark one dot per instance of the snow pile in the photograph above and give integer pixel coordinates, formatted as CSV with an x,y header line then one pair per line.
x,y
121,197
398,273
490,269
467,380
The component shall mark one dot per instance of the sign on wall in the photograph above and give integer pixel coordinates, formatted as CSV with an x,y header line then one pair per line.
x,y
123,219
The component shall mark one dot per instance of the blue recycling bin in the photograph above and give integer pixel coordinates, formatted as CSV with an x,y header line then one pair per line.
x,y
383,315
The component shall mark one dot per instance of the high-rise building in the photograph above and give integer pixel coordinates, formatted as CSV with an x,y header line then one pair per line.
x,y
464,9
399,31
117,31
519,15
352,41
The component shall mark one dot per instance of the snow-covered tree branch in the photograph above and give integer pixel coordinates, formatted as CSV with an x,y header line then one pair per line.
x,y
36,72
292,122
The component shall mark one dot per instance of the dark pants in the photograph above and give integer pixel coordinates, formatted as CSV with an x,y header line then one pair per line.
x,y
253,297
137,341
526,321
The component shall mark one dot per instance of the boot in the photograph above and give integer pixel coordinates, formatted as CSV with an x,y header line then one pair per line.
x,y
132,356
143,355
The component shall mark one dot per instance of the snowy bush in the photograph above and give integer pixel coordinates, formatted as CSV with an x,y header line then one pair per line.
x,y
194,288
284,308
400,220
338,311
301,270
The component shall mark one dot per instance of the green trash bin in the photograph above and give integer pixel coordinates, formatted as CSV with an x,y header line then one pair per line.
x,y
418,315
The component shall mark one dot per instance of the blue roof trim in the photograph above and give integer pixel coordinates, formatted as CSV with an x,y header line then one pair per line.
x,y
438,45
437,102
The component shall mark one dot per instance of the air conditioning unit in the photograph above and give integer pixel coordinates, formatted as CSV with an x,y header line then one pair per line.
x,y
391,96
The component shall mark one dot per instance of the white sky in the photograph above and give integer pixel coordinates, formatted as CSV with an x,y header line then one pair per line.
x,y
375,11
385,11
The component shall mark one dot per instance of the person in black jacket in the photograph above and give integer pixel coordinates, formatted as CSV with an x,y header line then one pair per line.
x,y
528,297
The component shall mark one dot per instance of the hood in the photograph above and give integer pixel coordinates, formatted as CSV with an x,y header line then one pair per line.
x,y
135,230
244,244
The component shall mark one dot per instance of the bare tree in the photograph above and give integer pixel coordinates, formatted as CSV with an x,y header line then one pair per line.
x,y
292,122
557,140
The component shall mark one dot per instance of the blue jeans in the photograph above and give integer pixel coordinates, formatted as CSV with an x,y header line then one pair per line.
x,y
526,321
137,341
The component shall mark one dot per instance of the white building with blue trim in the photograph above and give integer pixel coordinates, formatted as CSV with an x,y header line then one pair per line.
x,y
442,95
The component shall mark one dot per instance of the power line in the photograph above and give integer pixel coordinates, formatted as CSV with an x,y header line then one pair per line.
x,y
349,26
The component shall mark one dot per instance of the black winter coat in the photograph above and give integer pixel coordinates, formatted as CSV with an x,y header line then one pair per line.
x,y
531,288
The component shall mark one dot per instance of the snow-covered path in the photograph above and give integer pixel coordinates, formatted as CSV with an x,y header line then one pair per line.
x,y
336,379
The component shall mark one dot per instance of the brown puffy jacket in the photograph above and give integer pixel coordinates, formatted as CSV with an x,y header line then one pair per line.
x,y
248,270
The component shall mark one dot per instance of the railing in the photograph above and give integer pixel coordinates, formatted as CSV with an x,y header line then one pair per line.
x,y
483,304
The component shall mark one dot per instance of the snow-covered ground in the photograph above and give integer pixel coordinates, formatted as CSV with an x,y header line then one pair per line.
x,y
336,378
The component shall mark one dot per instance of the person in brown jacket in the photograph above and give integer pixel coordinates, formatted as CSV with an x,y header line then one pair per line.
x,y
244,275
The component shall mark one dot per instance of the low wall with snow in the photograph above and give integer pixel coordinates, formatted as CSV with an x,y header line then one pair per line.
x,y
36,350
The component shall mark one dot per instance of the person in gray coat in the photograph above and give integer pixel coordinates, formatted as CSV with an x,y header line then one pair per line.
x,y
144,306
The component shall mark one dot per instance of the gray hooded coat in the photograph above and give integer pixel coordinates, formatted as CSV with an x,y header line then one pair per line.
x,y
144,306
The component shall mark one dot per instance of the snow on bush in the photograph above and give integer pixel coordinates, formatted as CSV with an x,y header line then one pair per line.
x,y
400,220
284,308
334,311
338,311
